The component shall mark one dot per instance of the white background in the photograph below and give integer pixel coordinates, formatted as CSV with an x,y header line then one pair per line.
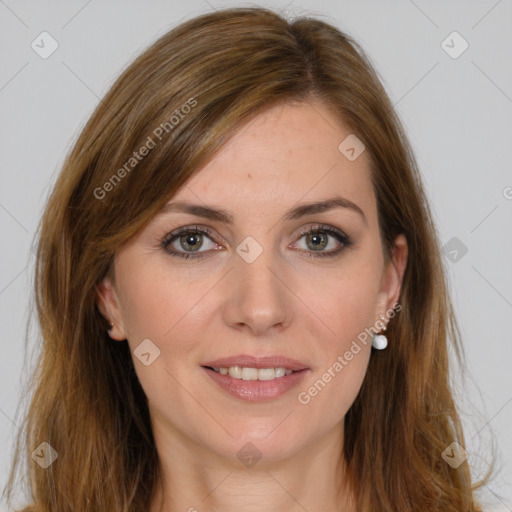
x,y
457,113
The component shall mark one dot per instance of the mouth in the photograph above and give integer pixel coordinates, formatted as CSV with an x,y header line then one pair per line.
x,y
256,379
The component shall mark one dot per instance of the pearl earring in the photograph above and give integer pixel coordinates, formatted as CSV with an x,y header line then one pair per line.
x,y
379,341
111,325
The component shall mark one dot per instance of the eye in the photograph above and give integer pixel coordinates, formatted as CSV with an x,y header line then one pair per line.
x,y
320,237
186,242
194,241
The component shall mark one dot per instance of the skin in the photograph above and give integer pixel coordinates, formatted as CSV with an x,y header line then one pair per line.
x,y
284,303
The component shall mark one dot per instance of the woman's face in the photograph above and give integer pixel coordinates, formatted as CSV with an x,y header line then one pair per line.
x,y
271,258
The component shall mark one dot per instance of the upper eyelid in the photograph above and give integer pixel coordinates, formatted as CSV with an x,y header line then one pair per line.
x,y
186,229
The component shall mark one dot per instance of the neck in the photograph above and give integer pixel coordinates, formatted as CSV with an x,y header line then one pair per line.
x,y
194,480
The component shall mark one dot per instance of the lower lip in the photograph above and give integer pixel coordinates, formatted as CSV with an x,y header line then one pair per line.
x,y
257,390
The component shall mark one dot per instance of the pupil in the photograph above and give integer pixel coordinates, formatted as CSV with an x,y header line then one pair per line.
x,y
318,240
191,240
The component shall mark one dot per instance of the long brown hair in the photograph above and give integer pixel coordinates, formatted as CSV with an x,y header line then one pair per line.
x,y
181,100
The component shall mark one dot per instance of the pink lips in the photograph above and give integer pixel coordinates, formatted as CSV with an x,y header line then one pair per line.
x,y
256,390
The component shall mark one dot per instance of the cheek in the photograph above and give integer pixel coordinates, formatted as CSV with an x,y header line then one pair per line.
x,y
163,306
344,301
343,307
345,311
144,305
157,301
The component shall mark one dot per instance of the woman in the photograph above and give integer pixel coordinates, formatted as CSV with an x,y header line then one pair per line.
x,y
240,290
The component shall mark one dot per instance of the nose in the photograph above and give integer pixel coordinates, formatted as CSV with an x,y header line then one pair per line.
x,y
257,297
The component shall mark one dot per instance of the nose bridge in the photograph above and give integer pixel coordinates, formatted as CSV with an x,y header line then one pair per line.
x,y
256,296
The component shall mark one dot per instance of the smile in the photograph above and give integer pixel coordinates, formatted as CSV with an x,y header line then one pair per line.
x,y
245,373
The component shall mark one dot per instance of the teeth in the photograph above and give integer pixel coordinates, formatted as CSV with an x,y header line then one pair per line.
x,y
235,372
266,373
241,372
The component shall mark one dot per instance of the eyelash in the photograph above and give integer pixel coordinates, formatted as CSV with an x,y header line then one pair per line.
x,y
342,238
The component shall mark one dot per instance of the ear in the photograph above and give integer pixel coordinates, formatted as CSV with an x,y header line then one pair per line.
x,y
108,304
392,277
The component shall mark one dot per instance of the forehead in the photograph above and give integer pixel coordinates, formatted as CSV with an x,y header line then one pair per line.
x,y
284,155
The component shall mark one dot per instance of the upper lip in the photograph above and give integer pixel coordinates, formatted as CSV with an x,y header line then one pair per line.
x,y
249,361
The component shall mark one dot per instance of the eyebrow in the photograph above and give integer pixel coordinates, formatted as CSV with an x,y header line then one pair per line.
x,y
302,210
